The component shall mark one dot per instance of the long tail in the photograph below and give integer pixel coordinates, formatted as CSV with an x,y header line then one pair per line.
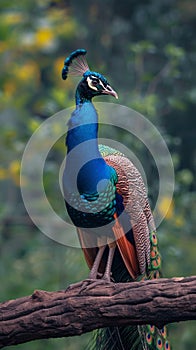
x,y
146,337
117,338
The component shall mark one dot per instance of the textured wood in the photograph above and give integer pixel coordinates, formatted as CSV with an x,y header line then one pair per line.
x,y
88,305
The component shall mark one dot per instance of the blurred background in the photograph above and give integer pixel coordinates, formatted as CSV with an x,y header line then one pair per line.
x,y
146,49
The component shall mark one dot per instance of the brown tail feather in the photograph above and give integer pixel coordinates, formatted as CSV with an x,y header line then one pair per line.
x,y
127,250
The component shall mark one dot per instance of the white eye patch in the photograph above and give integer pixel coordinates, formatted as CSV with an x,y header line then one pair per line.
x,y
91,85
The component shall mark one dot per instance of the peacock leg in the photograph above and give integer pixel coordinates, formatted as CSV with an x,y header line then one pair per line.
x,y
107,273
94,271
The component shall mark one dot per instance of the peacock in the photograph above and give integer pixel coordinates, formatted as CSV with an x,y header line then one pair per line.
x,y
106,200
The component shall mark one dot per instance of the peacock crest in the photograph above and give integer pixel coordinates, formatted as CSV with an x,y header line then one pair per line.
x,y
75,64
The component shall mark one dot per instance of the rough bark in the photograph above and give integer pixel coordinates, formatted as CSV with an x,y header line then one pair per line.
x,y
88,305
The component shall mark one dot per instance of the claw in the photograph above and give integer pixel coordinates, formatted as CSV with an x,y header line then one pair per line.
x,y
90,284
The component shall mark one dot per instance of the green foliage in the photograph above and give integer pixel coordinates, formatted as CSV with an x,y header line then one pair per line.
x,y
146,50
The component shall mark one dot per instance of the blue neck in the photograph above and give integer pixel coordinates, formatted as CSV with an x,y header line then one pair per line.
x,y
82,146
80,99
83,126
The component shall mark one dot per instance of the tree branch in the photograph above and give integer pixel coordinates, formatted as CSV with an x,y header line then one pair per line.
x,y
88,305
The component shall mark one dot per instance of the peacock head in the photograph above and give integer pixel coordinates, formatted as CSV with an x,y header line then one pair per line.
x,y
92,83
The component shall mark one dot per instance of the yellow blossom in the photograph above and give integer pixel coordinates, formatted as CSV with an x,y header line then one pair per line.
x,y
9,88
58,65
3,46
44,37
33,124
27,71
68,29
10,18
166,207
14,170
179,221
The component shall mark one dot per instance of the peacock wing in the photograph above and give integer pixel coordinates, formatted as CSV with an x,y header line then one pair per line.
x,y
131,187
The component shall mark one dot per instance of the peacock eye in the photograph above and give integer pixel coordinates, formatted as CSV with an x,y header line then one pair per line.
x,y
95,82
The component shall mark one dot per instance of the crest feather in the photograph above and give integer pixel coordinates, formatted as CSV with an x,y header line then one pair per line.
x,y
75,64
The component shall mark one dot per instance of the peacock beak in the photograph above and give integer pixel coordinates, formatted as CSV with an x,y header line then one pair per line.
x,y
109,91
